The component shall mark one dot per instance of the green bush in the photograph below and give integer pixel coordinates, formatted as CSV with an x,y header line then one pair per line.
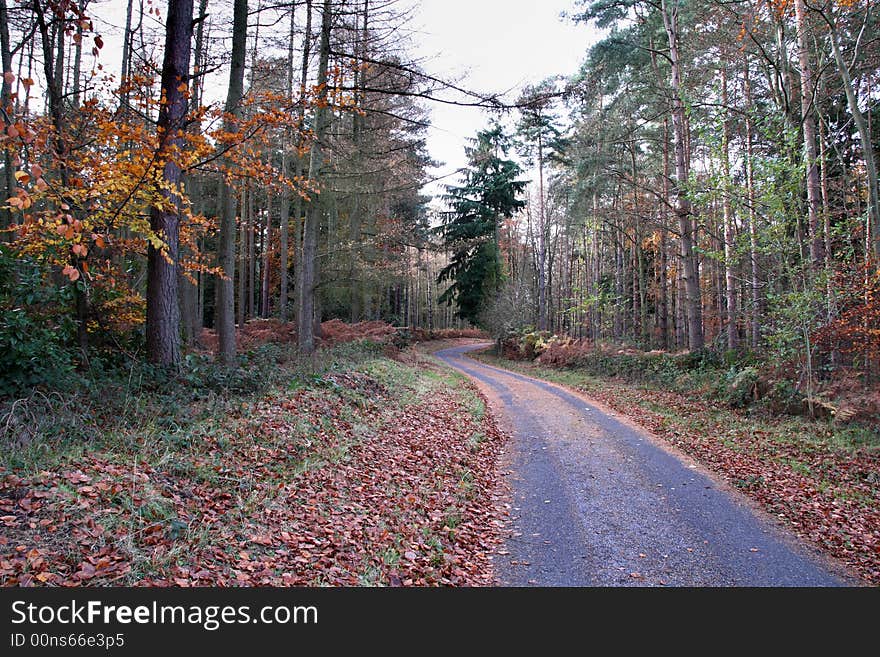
x,y
36,332
738,387
782,396
256,370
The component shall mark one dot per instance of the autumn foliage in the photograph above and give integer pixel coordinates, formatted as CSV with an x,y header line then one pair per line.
x,y
855,331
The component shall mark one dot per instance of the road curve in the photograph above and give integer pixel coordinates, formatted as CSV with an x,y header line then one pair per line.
x,y
596,502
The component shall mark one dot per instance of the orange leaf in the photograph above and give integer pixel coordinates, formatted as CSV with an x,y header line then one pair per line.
x,y
9,77
71,272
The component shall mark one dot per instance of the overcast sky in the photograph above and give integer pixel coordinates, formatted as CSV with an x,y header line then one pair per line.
x,y
500,45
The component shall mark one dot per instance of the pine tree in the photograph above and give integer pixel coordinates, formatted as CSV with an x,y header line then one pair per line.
x,y
488,194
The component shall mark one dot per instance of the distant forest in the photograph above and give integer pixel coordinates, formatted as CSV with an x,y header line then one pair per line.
x,y
707,180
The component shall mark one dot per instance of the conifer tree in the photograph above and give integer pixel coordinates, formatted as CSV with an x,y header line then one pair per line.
x,y
488,194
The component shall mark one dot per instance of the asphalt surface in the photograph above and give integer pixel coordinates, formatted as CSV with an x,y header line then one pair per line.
x,y
597,502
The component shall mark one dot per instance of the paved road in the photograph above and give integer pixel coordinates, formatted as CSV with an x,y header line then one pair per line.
x,y
598,503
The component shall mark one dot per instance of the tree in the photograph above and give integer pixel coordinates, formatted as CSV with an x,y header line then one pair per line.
x,y
488,194
224,314
309,257
540,138
683,211
5,97
808,128
861,124
163,309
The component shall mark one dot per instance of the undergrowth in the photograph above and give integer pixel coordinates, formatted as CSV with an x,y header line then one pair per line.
x,y
144,404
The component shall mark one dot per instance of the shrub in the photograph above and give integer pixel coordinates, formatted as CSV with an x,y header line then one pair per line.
x,y
738,387
36,332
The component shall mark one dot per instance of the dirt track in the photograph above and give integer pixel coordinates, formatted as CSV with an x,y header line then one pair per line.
x,y
597,502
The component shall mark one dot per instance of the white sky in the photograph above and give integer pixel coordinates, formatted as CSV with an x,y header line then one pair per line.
x,y
499,45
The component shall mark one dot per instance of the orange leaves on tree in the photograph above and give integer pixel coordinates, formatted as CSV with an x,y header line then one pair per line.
x,y
87,214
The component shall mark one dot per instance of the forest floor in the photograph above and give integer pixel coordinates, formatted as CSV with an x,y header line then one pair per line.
x,y
369,466
819,479
366,465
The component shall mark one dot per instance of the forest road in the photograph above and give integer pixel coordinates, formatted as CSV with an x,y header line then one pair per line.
x,y
598,502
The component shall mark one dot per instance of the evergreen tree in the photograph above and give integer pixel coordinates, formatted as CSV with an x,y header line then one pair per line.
x,y
488,195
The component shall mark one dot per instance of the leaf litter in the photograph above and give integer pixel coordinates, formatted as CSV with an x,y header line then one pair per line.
x,y
342,484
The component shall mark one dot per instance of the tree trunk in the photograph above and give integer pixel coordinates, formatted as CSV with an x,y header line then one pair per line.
x,y
308,266
5,104
125,67
163,311
873,231
266,242
191,292
356,288
542,241
225,312
284,214
77,57
251,253
755,329
241,311
664,239
808,123
690,272
298,201
729,228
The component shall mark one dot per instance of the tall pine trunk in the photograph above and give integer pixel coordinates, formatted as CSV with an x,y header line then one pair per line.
x,y
284,210
163,311
225,311
729,228
190,308
754,282
542,240
690,273
808,126
298,201
308,267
